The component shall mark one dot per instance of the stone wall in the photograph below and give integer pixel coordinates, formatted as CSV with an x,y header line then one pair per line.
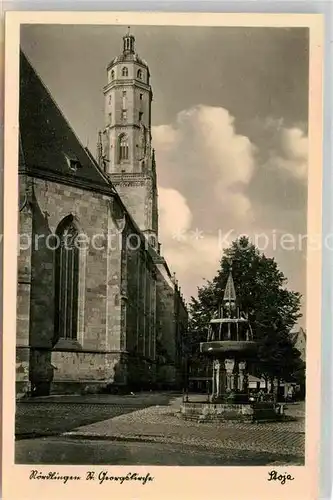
x,y
134,195
181,325
117,295
165,329
88,369
139,285
23,286
99,322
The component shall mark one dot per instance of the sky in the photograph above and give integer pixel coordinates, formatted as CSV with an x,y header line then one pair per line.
x,y
229,127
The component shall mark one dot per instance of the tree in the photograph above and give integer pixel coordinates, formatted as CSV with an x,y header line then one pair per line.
x,y
261,291
277,357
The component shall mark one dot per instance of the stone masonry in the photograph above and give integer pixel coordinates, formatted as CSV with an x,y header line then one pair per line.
x,y
130,312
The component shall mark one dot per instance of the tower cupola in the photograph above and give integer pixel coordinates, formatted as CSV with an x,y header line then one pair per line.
x,y
128,43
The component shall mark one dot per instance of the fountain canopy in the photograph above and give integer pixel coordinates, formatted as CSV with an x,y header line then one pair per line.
x,y
229,332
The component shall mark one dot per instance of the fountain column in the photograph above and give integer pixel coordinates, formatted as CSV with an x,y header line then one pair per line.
x,y
236,384
229,367
219,379
242,377
213,380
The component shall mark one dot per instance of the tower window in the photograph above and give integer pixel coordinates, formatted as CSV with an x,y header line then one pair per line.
x,y
140,116
139,74
110,99
110,118
124,93
123,148
112,75
67,280
125,71
124,115
141,96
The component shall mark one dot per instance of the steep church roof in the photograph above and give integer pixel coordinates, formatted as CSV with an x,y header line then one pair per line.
x,y
48,146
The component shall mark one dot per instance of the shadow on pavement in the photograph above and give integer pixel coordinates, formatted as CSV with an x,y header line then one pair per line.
x,y
51,416
48,451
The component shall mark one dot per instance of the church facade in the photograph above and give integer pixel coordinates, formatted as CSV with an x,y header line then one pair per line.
x,y
97,306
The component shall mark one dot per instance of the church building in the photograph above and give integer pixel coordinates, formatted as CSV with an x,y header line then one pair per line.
x,y
97,306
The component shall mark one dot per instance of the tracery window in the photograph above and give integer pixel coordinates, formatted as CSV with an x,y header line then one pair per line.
x,y
67,279
123,148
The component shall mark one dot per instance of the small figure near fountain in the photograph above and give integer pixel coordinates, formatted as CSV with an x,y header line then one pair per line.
x,y
230,344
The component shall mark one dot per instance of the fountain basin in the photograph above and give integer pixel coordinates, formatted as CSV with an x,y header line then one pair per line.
x,y
215,412
228,347
220,412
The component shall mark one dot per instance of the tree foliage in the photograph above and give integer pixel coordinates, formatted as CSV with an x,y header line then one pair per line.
x,y
261,291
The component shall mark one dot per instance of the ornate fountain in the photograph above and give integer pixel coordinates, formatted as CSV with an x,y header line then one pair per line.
x,y
230,346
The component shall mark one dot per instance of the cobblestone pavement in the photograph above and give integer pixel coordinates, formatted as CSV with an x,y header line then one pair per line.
x,y
160,424
61,450
56,414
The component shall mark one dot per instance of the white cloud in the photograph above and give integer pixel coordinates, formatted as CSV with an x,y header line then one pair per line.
x,y
294,146
294,143
204,167
208,176
289,155
174,214
165,136
192,255
294,169
202,153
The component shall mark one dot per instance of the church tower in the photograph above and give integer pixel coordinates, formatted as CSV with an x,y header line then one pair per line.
x,y
124,146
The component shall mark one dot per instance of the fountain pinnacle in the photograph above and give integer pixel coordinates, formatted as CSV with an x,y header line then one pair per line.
x,y
230,344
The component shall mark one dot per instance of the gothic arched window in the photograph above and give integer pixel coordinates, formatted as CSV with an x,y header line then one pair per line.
x,y
139,74
123,148
112,75
125,71
67,280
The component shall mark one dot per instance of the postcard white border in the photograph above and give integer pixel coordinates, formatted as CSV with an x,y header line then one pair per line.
x,y
170,482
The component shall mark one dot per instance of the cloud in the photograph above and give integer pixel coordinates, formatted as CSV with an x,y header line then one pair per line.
x,y
286,150
294,146
174,213
192,254
214,181
203,169
203,157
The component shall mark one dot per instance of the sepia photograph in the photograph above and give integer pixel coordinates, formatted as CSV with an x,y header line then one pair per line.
x,y
163,248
